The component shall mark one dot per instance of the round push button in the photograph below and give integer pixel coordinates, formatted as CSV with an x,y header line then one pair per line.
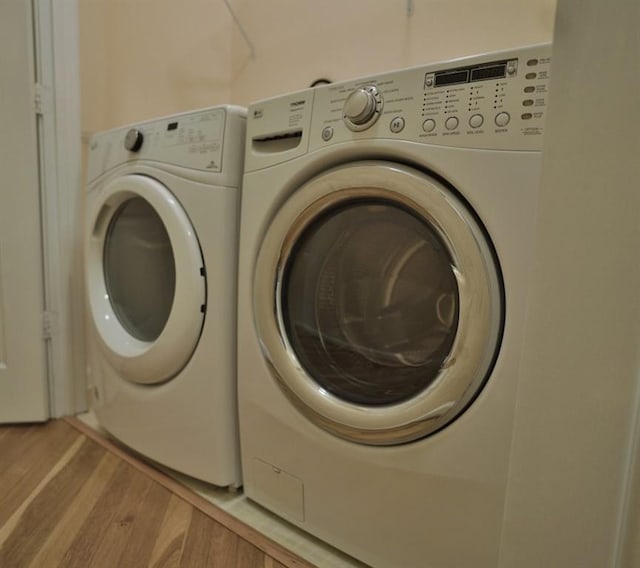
x,y
327,133
502,119
428,125
397,124
451,123
476,121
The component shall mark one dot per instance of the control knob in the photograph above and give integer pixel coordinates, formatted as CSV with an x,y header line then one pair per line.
x,y
133,140
362,108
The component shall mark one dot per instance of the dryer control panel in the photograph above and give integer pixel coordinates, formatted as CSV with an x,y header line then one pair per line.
x,y
496,101
193,140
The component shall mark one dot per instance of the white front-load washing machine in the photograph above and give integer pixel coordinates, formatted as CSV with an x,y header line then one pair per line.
x,y
162,207
386,240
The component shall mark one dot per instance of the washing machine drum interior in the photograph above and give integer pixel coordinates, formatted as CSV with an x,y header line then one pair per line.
x,y
388,314
375,319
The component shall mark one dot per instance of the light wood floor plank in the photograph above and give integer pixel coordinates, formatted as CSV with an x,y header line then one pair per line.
x,y
196,546
272,563
65,531
14,444
223,547
3,433
286,558
39,454
11,522
146,520
111,547
44,508
69,498
169,544
83,548
249,556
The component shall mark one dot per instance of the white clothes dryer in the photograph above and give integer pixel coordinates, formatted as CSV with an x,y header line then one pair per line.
x,y
386,241
163,200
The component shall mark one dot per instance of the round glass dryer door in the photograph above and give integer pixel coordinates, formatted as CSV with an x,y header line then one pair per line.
x,y
387,313
139,269
145,280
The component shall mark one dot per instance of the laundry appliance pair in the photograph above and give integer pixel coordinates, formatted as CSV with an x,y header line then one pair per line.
x,y
386,242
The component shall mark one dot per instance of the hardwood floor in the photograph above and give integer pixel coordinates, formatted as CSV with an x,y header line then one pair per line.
x,y
72,501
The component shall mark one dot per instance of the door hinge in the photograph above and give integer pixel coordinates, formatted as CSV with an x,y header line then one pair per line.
x,y
49,325
42,99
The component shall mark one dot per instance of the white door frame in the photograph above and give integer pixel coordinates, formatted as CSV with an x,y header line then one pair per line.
x,y
58,108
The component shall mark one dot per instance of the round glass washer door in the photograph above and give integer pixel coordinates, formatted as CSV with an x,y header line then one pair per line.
x,y
145,280
378,302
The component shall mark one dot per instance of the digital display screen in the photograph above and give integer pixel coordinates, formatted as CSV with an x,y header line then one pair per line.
x,y
484,73
471,74
451,77
172,126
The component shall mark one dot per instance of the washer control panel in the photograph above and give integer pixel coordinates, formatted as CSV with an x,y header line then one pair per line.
x,y
495,101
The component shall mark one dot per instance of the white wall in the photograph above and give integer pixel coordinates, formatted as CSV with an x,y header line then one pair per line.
x,y
298,41
146,58
578,395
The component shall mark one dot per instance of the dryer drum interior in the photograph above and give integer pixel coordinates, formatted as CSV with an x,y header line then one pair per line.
x,y
139,269
388,300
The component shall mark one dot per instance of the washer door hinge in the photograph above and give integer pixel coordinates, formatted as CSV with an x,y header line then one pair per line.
x,y
49,325
42,99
